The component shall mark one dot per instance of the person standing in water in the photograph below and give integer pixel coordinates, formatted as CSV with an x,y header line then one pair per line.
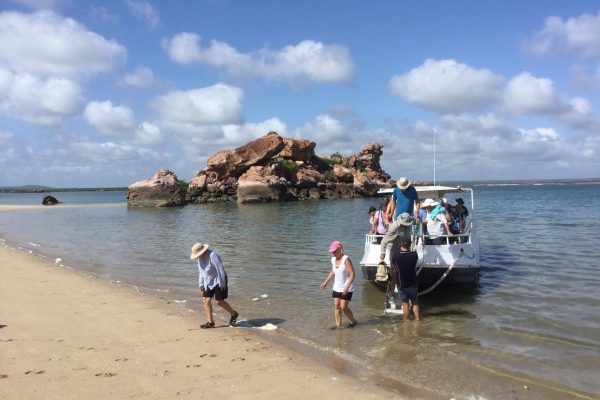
x,y
405,262
213,282
343,284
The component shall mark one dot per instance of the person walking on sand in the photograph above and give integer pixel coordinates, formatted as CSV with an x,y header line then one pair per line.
x,y
343,285
213,282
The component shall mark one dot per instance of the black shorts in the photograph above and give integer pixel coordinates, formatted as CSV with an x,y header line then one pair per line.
x,y
410,293
217,292
339,295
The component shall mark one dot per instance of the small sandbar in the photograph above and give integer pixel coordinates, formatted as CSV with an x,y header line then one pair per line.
x,y
25,207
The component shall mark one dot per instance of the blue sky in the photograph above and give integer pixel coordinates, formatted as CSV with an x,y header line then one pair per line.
x,y
106,93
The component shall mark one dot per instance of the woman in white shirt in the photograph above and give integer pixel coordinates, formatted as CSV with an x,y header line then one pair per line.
x,y
343,284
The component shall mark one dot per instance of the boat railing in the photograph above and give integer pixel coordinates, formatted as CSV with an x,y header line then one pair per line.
x,y
463,237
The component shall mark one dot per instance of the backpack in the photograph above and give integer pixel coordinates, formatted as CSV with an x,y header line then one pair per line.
x,y
382,273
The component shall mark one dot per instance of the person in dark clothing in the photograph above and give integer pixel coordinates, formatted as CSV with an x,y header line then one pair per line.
x,y
408,286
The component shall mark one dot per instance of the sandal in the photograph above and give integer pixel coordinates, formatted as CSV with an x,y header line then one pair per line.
x,y
207,325
352,324
234,318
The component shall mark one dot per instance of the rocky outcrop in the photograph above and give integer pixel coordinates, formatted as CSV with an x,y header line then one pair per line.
x,y
260,185
233,163
49,201
267,169
298,150
162,190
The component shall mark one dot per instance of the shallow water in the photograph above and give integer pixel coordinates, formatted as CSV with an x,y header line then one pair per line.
x,y
533,318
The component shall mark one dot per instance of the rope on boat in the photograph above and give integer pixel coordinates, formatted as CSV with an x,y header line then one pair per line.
x,y
432,287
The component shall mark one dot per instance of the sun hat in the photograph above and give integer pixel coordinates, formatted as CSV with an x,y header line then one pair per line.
x,y
405,219
444,200
403,183
334,246
372,209
198,249
460,200
429,203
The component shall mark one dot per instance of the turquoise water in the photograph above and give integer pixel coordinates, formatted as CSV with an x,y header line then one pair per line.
x,y
534,317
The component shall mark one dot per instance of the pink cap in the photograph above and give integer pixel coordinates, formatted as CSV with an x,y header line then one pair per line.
x,y
334,246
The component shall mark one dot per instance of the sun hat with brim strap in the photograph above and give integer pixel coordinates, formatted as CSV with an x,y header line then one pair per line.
x,y
403,183
198,249
429,203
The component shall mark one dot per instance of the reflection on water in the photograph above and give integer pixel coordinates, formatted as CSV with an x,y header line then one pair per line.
x,y
534,314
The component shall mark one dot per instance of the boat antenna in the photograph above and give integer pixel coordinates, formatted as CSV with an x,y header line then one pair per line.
x,y
434,155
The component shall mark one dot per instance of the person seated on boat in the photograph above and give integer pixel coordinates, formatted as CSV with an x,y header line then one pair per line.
x,y
405,262
461,216
372,211
398,231
437,223
462,213
452,217
380,224
404,198
421,225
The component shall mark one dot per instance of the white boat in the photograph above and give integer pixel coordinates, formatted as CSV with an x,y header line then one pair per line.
x,y
453,262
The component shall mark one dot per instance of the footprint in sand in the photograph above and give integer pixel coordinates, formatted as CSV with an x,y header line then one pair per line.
x,y
106,374
122,359
2,376
193,366
238,359
35,372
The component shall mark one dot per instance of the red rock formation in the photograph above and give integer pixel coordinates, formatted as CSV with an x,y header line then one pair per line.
x,y
298,150
233,163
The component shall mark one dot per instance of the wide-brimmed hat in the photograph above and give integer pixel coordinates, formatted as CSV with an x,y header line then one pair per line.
x,y
460,200
429,203
405,219
198,249
336,244
403,183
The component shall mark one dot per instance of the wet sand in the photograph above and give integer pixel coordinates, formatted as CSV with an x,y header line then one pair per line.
x,y
67,335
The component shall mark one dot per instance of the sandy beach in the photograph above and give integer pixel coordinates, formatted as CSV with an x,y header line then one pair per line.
x,y
67,335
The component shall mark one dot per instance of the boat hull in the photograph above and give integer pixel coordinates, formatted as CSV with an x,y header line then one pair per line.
x,y
430,275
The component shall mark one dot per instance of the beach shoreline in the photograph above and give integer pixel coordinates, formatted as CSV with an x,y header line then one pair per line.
x,y
67,334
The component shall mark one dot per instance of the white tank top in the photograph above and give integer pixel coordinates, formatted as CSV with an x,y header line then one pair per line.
x,y
341,275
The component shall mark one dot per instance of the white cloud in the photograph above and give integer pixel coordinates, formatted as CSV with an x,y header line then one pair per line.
x,y
236,135
40,101
148,133
194,111
308,61
526,94
579,35
5,136
44,43
109,119
448,86
143,10
140,77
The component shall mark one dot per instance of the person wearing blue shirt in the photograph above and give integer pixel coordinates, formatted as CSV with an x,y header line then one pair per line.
x,y
213,283
404,198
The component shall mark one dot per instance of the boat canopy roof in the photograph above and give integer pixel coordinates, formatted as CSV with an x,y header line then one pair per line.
x,y
432,191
